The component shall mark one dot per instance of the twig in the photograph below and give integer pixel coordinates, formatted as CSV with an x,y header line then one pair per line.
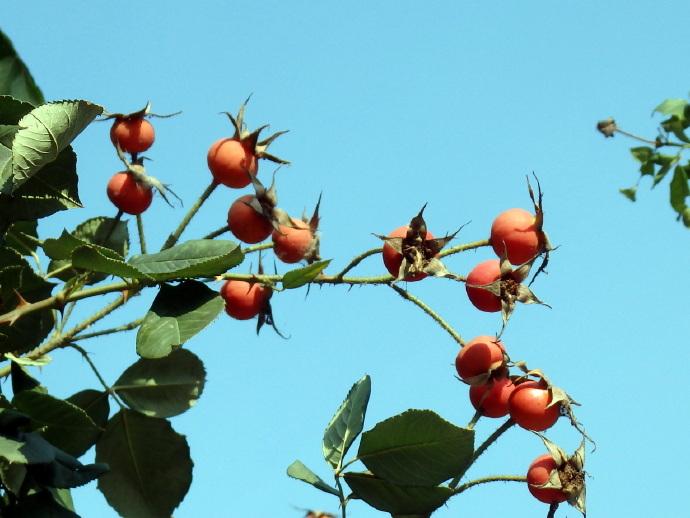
x,y
355,261
440,321
552,510
217,233
125,327
142,238
482,448
172,239
105,385
485,480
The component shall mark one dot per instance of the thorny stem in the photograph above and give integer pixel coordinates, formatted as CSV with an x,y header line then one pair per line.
x,y
256,248
63,339
357,260
447,327
343,500
172,239
462,248
485,480
552,510
107,387
482,448
142,238
125,327
216,233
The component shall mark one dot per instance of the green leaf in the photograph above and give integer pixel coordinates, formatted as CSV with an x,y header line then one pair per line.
x,y
66,472
672,107
196,258
177,314
150,467
679,189
630,193
25,361
12,476
395,499
100,232
15,78
46,132
297,278
7,133
22,380
13,109
416,448
95,404
22,237
104,260
642,154
164,387
53,188
5,163
347,423
63,424
41,504
17,276
299,471
661,173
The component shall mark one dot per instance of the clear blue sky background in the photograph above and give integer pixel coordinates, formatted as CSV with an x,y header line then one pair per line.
x,y
391,105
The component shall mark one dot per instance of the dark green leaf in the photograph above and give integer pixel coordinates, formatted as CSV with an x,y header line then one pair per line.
x,y
47,131
164,387
63,497
299,471
150,467
96,406
52,189
31,449
66,472
22,380
12,110
22,237
661,173
177,314
63,424
17,276
7,133
642,154
416,448
196,258
12,422
39,505
395,499
347,423
104,260
12,476
15,78
679,189
630,193
301,276
5,163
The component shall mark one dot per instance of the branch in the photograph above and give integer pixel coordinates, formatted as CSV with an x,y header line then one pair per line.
x,y
462,248
107,387
125,327
66,338
482,448
485,480
552,510
140,229
358,260
172,239
216,233
408,296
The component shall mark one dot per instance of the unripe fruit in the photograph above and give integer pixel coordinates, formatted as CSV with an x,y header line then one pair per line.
x,y
133,134
529,406
127,194
538,474
480,356
244,300
515,232
492,398
483,274
393,260
290,244
247,224
231,162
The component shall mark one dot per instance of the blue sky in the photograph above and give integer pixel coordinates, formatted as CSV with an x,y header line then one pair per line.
x,y
390,106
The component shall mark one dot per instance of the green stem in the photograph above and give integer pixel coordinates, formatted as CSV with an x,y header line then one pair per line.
x,y
172,239
63,339
477,415
217,233
343,500
482,448
357,260
142,238
440,321
256,248
486,480
552,510
58,271
125,327
107,387
462,248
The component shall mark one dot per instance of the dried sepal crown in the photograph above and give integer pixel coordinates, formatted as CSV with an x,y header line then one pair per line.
x,y
251,139
139,114
569,475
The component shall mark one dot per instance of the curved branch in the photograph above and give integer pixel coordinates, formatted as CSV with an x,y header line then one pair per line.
x,y
486,480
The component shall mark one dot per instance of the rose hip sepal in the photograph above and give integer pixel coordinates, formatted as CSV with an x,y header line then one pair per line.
x,y
296,240
495,286
233,160
411,254
556,477
132,132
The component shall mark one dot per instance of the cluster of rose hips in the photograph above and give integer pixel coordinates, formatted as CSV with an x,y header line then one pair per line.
x,y
253,218
130,191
